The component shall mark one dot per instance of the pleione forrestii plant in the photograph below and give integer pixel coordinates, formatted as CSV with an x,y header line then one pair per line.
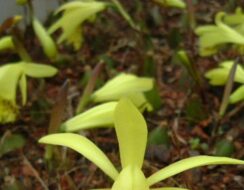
x,y
219,77
131,131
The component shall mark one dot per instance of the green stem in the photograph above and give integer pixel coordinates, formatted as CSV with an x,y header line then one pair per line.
x,y
24,55
126,15
228,89
85,98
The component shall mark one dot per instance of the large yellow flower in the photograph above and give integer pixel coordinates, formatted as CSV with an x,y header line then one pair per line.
x,y
131,131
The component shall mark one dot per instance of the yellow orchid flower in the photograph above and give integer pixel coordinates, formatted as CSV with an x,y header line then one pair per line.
x,y
211,37
74,15
125,85
131,131
15,73
219,76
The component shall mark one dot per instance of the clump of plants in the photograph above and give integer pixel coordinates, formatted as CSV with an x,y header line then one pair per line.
x,y
226,35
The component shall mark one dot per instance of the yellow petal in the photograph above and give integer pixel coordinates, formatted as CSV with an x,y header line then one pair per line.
x,y
122,85
131,131
85,147
190,163
98,116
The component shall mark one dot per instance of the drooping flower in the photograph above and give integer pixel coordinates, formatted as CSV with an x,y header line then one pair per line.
x,y
14,74
125,85
213,37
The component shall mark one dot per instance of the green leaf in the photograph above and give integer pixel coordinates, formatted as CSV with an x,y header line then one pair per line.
x,y
98,116
131,131
38,70
187,164
224,147
10,143
45,39
153,97
125,14
85,147
159,136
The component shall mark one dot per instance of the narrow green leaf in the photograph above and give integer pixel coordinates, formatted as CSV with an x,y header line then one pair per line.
x,y
85,147
45,39
98,116
189,163
131,131
125,14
